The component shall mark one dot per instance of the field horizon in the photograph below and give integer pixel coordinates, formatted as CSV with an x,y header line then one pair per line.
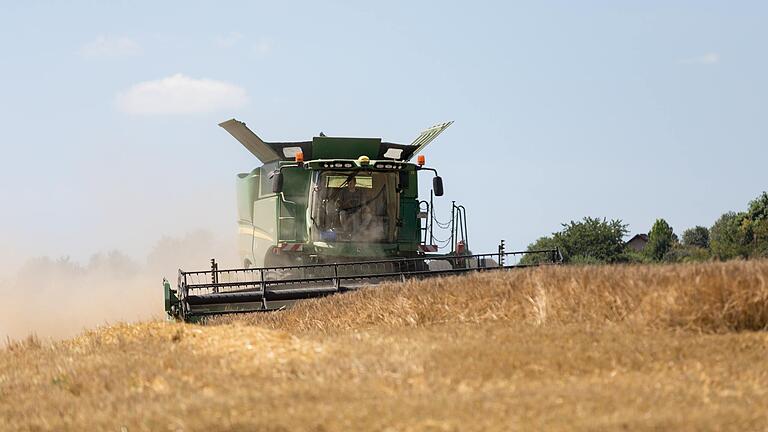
x,y
639,347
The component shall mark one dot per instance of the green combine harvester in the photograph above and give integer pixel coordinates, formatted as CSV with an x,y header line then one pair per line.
x,y
331,215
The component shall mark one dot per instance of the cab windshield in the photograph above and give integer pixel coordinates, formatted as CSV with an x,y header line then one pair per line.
x,y
354,206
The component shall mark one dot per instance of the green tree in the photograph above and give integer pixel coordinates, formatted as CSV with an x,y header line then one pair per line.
x,y
592,238
742,235
660,240
760,238
758,208
589,241
697,236
754,227
543,243
727,239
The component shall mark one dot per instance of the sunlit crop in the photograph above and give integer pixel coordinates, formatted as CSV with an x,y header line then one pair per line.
x,y
679,347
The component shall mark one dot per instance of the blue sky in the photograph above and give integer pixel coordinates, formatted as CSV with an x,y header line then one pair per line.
x,y
630,110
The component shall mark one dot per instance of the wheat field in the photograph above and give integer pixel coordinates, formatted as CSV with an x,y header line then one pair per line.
x,y
675,347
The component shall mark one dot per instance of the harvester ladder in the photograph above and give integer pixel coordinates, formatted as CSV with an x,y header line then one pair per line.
x,y
427,237
282,209
458,228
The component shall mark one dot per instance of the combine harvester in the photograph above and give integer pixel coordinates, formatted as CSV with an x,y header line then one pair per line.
x,y
330,215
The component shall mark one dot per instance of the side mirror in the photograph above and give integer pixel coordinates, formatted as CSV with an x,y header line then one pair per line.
x,y
437,185
277,182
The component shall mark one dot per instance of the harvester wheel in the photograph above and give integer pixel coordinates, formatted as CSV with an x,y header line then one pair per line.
x,y
281,260
272,259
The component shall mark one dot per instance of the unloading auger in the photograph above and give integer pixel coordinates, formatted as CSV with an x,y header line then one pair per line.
x,y
331,215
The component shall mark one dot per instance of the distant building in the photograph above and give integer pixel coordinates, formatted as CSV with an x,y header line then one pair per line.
x,y
638,242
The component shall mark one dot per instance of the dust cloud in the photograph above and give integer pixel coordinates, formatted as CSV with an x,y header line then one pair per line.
x,y
57,298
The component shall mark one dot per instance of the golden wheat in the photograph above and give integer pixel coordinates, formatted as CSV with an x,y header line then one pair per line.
x,y
712,297
679,347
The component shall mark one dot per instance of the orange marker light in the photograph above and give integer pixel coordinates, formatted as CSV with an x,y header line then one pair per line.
x,y
299,156
421,160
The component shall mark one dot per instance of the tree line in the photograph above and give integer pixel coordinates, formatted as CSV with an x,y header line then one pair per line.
x,y
600,241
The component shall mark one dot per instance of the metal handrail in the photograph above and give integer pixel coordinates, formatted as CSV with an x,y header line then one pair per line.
x,y
255,287
367,269
396,260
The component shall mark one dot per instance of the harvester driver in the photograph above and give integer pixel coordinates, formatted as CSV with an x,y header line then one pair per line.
x,y
350,203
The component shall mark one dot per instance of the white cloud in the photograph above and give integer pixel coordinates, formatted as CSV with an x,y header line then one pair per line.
x,y
180,94
228,40
706,59
262,47
104,46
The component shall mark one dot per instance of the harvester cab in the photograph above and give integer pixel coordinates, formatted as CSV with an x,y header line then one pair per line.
x,y
331,199
328,215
